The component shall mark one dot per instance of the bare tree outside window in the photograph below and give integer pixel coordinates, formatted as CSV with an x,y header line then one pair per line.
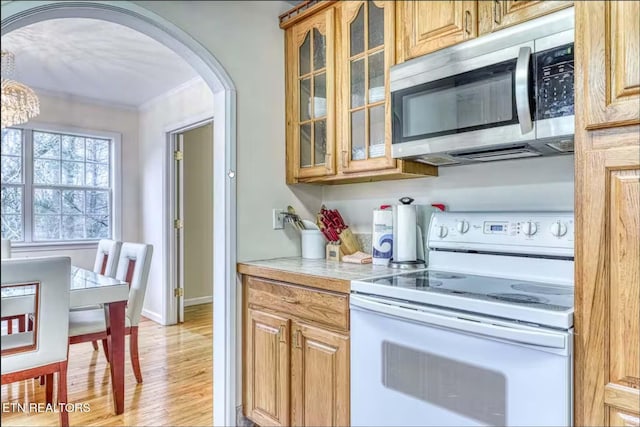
x,y
70,186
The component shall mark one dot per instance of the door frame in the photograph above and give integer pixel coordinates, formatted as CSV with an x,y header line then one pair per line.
x,y
172,131
19,14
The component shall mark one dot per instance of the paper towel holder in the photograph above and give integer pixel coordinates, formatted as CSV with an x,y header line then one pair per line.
x,y
414,263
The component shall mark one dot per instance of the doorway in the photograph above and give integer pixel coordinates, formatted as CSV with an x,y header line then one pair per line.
x,y
193,206
19,14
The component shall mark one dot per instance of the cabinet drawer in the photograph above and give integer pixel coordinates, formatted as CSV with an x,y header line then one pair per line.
x,y
316,306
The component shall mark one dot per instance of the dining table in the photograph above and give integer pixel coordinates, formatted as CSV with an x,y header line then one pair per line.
x,y
89,289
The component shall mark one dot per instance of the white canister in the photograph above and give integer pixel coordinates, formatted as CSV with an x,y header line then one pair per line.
x,y
382,235
313,244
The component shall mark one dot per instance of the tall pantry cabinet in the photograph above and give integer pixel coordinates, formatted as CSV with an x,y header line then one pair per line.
x,y
607,173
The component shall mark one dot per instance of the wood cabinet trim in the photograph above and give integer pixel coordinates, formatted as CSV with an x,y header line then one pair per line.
x,y
340,286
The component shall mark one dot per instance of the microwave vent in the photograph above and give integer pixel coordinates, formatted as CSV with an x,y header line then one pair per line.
x,y
437,160
564,145
498,154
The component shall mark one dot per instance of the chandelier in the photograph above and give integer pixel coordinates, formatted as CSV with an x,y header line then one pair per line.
x,y
19,102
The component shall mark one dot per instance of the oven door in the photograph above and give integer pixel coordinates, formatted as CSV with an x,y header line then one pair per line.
x,y
411,367
476,103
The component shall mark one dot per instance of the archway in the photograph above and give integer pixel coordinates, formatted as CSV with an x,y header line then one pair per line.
x,y
19,14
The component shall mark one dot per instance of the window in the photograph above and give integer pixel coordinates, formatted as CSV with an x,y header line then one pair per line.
x,y
56,186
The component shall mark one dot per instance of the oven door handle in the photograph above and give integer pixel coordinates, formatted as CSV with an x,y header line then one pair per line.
x,y
522,336
522,89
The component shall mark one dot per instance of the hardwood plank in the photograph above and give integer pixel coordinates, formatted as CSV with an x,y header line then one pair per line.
x,y
177,365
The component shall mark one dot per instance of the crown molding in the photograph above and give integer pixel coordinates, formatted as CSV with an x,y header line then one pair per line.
x,y
146,106
83,99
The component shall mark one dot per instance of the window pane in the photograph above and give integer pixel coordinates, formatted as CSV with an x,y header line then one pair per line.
x,y
11,200
98,150
72,147
98,227
12,228
12,222
320,142
305,145
46,227
46,172
319,50
376,25
11,142
73,227
357,83
46,145
376,77
320,96
46,201
97,202
73,173
97,175
11,169
357,135
73,202
305,56
305,96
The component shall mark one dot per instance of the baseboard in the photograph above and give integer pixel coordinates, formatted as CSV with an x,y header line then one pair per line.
x,y
152,316
198,301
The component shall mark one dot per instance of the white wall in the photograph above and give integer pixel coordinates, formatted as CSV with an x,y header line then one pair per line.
x,y
169,112
198,214
245,38
531,184
68,111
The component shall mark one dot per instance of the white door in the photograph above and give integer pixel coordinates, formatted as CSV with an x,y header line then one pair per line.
x,y
414,368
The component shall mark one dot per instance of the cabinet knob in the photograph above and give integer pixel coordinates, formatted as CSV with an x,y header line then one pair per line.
x,y
282,333
298,339
497,13
467,22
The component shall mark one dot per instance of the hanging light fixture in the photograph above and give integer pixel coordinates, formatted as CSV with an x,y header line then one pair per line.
x,y
19,102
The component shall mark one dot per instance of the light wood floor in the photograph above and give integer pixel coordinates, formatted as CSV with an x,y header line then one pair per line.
x,y
177,369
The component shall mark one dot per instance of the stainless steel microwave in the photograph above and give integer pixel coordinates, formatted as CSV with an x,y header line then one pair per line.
x,y
501,96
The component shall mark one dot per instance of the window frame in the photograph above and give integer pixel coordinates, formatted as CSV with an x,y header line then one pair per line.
x,y
115,186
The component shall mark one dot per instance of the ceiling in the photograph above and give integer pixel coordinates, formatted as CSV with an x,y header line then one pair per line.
x,y
95,59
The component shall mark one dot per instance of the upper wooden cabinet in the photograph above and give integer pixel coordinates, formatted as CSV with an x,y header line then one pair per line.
x,y
610,64
498,14
366,53
426,26
338,56
311,80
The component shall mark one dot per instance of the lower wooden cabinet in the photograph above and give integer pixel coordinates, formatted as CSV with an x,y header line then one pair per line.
x,y
267,368
319,377
296,355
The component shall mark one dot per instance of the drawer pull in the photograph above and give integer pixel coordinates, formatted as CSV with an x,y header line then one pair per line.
x,y
298,338
290,300
467,22
282,334
497,13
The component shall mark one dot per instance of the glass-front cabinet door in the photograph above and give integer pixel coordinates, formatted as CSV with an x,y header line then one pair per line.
x,y
366,53
312,83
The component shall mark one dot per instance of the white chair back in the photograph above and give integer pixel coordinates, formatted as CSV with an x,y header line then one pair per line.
x,y
6,248
133,268
107,257
51,321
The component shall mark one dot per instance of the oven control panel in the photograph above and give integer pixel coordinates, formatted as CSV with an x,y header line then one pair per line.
x,y
542,233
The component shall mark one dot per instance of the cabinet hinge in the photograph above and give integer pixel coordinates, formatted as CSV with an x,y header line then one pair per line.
x,y
177,155
178,292
177,224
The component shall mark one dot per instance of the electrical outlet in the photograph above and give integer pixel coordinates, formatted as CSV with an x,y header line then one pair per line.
x,y
277,219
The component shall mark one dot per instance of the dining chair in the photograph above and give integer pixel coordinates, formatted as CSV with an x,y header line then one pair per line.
x,y
107,256
88,325
40,287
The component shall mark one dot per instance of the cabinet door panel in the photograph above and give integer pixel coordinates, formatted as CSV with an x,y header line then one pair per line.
x,y
498,14
319,377
266,368
607,62
607,326
623,419
433,25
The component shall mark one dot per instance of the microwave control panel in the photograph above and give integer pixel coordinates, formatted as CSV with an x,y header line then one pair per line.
x,y
554,82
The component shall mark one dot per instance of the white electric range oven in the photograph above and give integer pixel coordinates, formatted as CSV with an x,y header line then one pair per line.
x,y
481,337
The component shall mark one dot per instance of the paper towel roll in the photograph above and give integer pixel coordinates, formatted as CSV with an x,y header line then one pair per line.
x,y
404,233
382,236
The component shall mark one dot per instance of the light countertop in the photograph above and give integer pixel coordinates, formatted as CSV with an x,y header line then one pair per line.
x,y
318,273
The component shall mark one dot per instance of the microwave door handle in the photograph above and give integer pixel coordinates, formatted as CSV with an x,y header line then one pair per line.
x,y
522,89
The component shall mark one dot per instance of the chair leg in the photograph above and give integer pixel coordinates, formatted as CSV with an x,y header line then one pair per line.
x,y
62,393
105,347
21,324
133,350
42,379
48,388
9,326
95,345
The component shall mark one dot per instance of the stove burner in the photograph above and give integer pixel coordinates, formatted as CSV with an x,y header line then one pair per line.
x,y
518,298
446,276
541,289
